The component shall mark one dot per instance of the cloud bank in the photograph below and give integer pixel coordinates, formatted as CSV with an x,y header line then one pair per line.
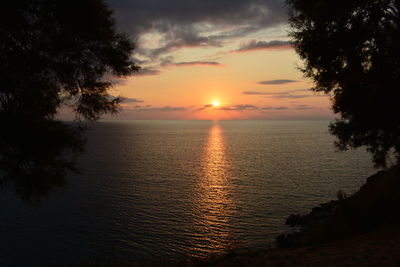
x,y
262,45
195,63
158,109
277,82
147,72
193,23
132,100
290,94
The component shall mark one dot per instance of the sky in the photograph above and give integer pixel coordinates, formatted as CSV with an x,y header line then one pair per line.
x,y
193,53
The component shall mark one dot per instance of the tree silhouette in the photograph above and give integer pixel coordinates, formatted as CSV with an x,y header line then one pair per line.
x,y
351,51
53,53
36,155
62,52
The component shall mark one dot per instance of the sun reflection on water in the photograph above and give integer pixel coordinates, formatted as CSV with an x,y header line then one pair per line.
x,y
214,202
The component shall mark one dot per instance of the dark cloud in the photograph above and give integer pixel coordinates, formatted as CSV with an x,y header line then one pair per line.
x,y
275,108
117,81
132,100
287,96
239,107
177,39
277,82
165,61
205,107
302,107
262,45
293,96
194,23
169,61
275,93
198,63
160,109
140,61
147,72
257,93
290,94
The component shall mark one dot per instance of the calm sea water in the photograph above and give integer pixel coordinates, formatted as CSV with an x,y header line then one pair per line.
x,y
151,190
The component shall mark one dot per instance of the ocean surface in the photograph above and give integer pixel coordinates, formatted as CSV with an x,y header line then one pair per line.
x,y
155,190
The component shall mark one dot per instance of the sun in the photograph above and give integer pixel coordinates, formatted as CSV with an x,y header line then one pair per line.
x,y
215,103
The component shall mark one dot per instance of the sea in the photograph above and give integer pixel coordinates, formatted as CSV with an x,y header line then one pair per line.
x,y
156,191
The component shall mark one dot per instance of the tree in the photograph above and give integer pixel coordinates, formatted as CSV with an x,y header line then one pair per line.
x,y
351,51
36,155
62,52
53,53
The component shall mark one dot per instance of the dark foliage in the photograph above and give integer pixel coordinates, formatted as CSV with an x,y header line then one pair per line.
x,y
351,51
53,53
36,154
59,52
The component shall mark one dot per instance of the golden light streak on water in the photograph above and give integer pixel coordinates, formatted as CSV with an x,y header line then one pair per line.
x,y
214,202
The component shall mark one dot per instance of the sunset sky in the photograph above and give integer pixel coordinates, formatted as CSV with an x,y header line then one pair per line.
x,y
194,52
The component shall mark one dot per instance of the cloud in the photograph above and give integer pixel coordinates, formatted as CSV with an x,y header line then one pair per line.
x,y
147,72
176,40
205,107
276,82
275,108
239,107
131,100
275,93
287,96
140,61
193,23
197,63
169,61
303,107
290,94
117,81
263,45
257,93
293,96
159,109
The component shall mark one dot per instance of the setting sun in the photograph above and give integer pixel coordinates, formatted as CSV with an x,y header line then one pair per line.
x,y
216,103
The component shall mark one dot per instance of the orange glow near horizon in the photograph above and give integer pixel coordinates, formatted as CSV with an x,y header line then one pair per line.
x,y
233,92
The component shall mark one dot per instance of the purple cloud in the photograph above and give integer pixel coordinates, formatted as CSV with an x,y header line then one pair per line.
x,y
263,45
277,82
